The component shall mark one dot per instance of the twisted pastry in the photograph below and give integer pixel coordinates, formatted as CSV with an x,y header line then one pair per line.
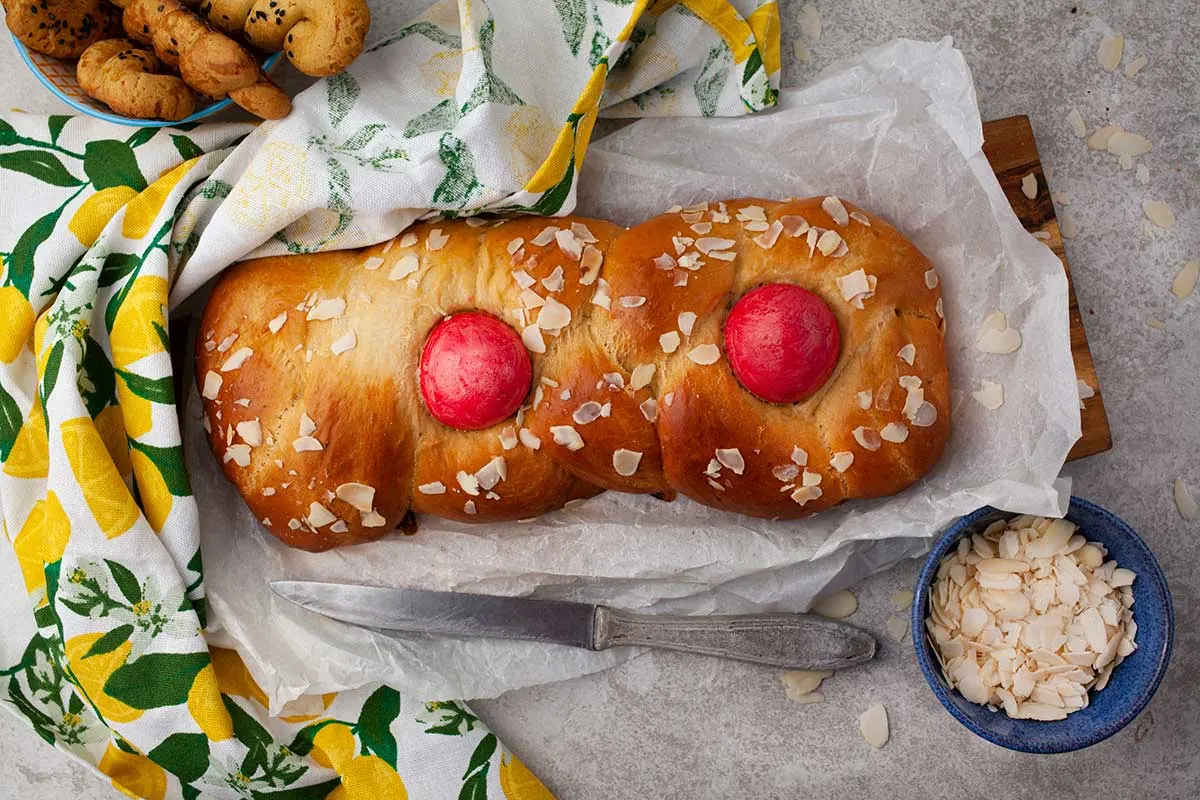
x,y
131,83
772,359
209,61
320,37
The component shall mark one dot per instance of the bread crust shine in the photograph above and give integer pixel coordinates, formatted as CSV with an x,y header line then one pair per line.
x,y
308,366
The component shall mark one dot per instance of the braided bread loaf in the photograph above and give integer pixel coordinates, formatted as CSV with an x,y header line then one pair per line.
x,y
320,37
772,359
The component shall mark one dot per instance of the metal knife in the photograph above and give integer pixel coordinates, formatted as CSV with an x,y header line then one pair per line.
x,y
792,641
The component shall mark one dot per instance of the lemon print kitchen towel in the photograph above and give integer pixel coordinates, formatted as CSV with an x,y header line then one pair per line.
x,y
476,106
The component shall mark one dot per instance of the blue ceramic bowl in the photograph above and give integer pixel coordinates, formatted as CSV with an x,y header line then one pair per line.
x,y
1133,682
58,75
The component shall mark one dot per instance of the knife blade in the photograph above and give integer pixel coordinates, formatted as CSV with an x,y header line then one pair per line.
x,y
792,641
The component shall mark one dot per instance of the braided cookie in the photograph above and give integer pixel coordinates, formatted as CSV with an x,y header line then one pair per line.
x,y
320,37
61,28
772,359
131,83
209,61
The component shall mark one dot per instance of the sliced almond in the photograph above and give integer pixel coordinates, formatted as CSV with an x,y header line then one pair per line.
x,y
277,322
1185,281
1099,139
625,462
567,436
867,438
1110,51
669,341
344,343
842,460
1029,186
894,432
907,354
873,725
1184,502
641,376
237,359
995,336
359,495
332,308
212,385
1159,213
251,432
592,258
1075,120
531,337
989,394
838,605
802,682
731,458
1135,65
836,210
704,354
319,516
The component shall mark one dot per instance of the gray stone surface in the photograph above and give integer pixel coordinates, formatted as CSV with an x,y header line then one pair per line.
x,y
669,726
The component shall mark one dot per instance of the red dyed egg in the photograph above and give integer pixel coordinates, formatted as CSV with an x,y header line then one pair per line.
x,y
782,342
474,371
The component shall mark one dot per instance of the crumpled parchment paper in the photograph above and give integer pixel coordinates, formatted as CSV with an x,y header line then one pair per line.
x,y
896,130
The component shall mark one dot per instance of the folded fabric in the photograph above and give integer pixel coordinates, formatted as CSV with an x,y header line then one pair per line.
x,y
473,107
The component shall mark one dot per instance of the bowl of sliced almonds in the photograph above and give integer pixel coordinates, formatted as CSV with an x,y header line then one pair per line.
x,y
1043,635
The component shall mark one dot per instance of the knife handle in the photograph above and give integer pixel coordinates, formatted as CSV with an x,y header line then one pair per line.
x,y
792,641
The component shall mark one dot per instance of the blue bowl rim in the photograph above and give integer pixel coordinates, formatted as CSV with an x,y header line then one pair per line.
x,y
198,116
929,668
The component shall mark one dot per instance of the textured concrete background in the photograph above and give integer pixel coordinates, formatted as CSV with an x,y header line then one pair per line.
x,y
668,726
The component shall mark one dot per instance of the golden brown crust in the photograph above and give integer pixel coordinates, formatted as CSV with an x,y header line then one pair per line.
x,y
61,28
320,37
129,80
209,61
696,429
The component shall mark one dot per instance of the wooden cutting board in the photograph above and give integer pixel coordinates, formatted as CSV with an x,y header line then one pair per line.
x,y
1010,148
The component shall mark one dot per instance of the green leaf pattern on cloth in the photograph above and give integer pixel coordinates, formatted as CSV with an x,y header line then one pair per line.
x,y
102,229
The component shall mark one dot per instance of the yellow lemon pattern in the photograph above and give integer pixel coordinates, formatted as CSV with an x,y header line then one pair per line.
x,y
93,671
30,454
133,335
143,210
103,223
518,783
205,706
17,314
93,215
134,775
42,540
103,489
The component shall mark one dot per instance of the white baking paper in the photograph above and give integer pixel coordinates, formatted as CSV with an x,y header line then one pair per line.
x,y
897,131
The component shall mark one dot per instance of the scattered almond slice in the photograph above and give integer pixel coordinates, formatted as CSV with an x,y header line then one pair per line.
x,y
344,343
799,683
1029,186
841,460
360,496
1135,65
731,458
1185,282
669,341
319,516
275,324
907,354
1143,174
1085,391
406,265
873,725
864,399
836,210
1110,51
238,454
894,432
1075,120
1184,502
996,337
567,436
1124,143
829,242
625,462
1159,213
990,395
331,308
704,354
436,240
901,599
237,359
799,456
810,22
212,385
1067,227
800,48
867,438
251,432
897,628
1099,138
838,605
